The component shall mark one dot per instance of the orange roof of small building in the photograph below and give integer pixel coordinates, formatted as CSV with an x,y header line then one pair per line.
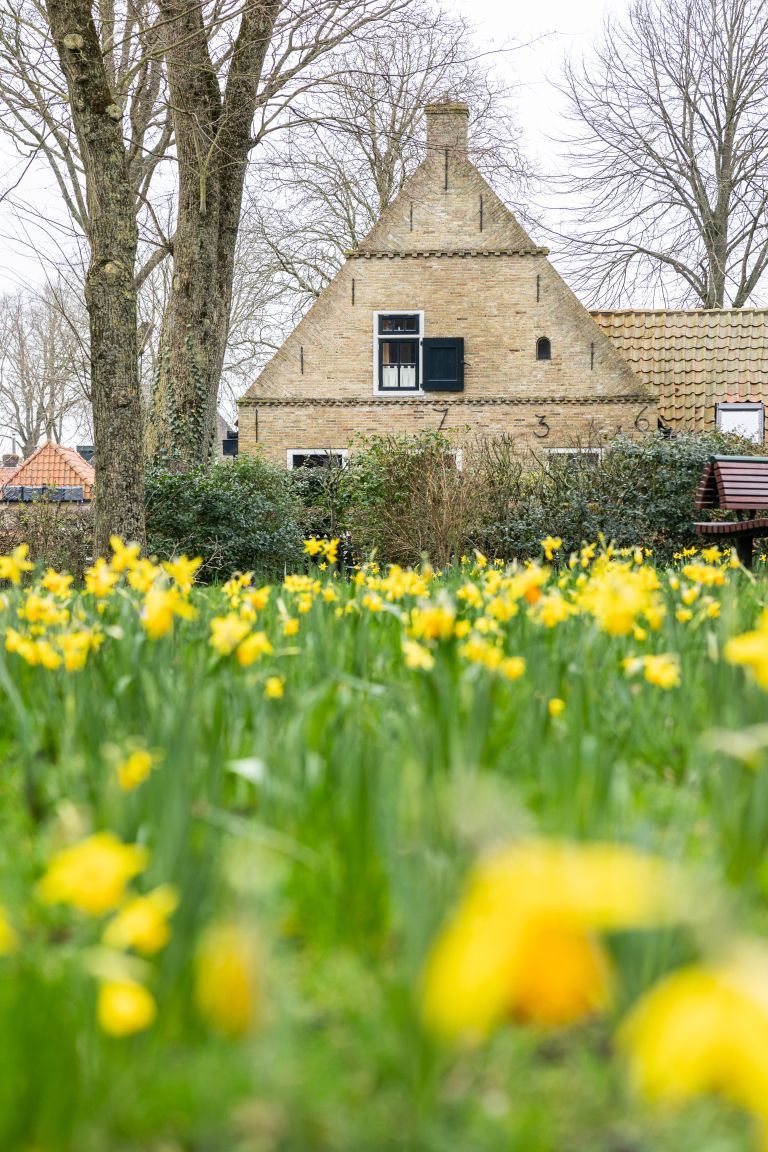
x,y
53,466
694,359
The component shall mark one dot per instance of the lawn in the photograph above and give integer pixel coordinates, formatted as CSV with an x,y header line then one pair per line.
x,y
382,859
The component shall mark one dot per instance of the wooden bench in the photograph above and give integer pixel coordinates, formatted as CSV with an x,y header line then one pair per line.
x,y
735,484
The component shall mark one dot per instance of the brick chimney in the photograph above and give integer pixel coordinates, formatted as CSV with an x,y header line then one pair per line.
x,y
447,126
11,460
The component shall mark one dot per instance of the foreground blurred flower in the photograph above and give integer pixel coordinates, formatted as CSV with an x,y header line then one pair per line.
x,y
161,605
751,649
274,687
704,1030
556,707
226,988
143,923
92,875
522,943
125,1007
663,669
14,566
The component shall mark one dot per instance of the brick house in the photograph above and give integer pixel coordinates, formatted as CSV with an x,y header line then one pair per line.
x,y
448,316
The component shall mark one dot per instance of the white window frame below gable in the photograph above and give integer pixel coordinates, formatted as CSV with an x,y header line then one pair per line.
x,y
742,406
391,394
343,453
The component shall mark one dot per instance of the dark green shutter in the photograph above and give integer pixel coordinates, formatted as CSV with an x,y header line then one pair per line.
x,y
443,364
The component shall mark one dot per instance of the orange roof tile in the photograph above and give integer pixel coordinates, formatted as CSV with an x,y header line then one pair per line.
x,y
55,466
694,359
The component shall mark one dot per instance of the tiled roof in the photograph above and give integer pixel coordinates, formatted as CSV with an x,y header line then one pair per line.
x,y
694,359
55,466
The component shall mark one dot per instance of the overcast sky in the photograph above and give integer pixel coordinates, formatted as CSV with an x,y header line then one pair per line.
x,y
547,29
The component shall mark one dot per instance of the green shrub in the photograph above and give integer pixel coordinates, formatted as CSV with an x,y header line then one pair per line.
x,y
59,535
237,515
631,492
405,496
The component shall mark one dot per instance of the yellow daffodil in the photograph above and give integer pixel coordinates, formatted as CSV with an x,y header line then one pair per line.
x,y
13,566
142,924
100,579
226,979
253,648
135,768
161,607
556,707
290,626
76,646
125,1007
274,688
182,571
57,583
750,650
551,544
524,941
416,656
9,941
704,1030
124,556
92,875
227,632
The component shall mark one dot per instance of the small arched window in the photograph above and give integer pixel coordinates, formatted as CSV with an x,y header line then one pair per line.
x,y
543,348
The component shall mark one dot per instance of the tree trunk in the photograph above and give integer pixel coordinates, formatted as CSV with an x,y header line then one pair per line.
x,y
213,140
110,292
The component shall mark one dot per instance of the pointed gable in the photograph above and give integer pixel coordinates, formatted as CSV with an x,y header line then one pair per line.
x,y
53,466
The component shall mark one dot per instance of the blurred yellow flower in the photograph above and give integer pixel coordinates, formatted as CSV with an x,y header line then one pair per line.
x,y
14,566
227,632
142,924
125,1007
314,547
704,1030
226,979
161,605
125,556
9,941
182,571
523,940
57,583
253,648
135,768
749,649
551,544
556,706
100,580
416,656
290,626
274,687
92,875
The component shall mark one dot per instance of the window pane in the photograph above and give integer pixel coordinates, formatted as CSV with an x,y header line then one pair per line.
x,y
389,377
399,324
746,421
408,376
408,352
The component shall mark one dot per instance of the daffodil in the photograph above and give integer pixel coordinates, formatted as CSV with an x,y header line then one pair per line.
x,y
135,768
274,688
100,579
125,1007
524,942
227,632
13,566
253,648
182,570
416,656
92,875
704,1030
142,923
226,979
161,606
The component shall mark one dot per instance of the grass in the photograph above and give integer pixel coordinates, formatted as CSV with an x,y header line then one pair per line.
x,y
334,826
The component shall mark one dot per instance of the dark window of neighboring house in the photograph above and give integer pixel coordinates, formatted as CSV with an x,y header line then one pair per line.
x,y
398,340
332,459
543,348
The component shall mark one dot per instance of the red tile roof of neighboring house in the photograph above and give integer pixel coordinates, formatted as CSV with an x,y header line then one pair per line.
x,y
54,466
694,359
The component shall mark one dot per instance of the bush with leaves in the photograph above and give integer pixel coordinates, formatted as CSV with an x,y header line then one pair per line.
x,y
631,491
59,535
237,515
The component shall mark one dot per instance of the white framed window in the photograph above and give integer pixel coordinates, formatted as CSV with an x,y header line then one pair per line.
x,y
397,358
595,453
744,419
316,457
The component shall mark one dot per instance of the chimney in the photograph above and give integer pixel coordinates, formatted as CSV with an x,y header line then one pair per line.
x,y
447,126
10,460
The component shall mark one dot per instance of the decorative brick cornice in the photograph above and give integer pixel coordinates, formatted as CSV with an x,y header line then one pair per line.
x,y
438,402
357,254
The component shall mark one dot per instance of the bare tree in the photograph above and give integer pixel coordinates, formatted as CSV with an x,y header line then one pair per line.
x,y
43,372
323,184
234,75
110,287
669,156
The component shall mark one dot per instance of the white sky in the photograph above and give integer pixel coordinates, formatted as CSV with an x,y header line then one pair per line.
x,y
549,28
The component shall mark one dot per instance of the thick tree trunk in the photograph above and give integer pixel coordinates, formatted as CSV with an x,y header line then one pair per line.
x,y
110,292
213,140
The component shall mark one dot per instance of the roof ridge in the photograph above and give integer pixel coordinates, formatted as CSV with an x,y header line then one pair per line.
x,y
670,311
72,457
